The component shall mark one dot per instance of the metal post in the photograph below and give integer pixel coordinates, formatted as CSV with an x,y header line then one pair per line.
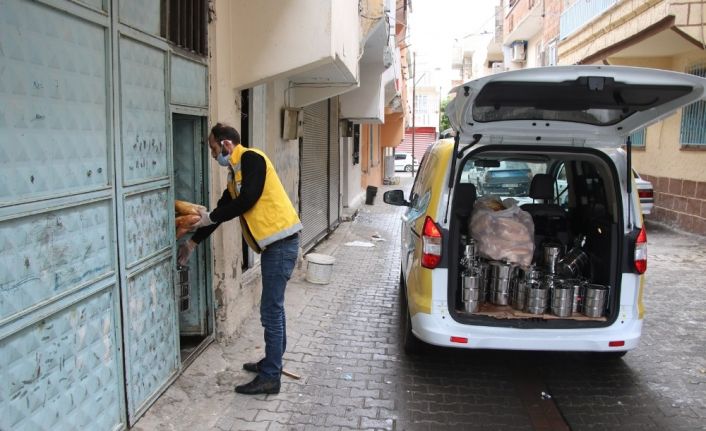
x,y
414,103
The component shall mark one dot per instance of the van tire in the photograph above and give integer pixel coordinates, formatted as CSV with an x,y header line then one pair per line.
x,y
410,343
408,168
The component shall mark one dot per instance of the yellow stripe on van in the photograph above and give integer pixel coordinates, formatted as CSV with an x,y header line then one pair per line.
x,y
433,177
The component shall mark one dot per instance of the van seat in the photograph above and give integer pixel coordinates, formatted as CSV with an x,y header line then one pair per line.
x,y
550,219
464,198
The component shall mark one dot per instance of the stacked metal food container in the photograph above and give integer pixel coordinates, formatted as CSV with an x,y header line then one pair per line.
x,y
557,285
474,277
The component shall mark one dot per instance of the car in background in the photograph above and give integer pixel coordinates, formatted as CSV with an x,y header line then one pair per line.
x,y
646,193
403,162
502,178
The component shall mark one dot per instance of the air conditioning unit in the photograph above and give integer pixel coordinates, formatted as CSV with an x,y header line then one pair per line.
x,y
519,50
497,66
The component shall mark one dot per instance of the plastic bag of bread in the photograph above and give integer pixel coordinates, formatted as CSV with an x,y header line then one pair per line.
x,y
183,208
502,234
185,223
180,232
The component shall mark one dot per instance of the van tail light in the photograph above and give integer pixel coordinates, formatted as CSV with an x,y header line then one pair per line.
x,y
647,193
431,244
641,252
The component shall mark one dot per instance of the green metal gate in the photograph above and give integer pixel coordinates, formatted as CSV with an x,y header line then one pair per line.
x,y
89,332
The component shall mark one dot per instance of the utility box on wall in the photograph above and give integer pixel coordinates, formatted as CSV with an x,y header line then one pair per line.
x,y
292,123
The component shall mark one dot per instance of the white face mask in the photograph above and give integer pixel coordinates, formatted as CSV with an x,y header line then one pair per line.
x,y
222,159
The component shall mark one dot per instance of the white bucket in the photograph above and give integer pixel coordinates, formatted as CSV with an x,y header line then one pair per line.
x,y
319,268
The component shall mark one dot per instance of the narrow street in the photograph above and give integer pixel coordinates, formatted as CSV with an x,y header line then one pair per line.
x,y
343,341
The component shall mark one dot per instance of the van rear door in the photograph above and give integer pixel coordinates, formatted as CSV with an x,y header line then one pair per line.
x,y
593,105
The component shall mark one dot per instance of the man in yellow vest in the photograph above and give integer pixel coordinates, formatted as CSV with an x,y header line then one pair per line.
x,y
270,226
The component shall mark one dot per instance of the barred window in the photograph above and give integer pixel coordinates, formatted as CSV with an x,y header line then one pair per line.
x,y
693,120
637,138
184,23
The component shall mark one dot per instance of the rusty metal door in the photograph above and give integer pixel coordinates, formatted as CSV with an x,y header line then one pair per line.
x,y
88,309
60,338
189,161
146,239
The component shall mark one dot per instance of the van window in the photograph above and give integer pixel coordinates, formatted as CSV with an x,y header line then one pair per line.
x,y
510,179
420,180
400,156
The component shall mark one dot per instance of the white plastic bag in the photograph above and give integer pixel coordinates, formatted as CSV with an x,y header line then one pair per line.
x,y
502,234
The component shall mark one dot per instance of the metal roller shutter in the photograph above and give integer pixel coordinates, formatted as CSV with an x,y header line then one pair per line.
x,y
424,137
334,166
314,198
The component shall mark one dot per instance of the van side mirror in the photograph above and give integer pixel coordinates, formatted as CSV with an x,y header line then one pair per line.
x,y
395,197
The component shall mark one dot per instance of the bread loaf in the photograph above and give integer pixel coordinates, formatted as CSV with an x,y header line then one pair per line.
x,y
183,208
187,221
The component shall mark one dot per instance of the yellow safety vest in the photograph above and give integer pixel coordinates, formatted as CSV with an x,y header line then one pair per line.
x,y
273,216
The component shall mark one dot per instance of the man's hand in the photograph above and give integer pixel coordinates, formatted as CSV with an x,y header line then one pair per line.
x,y
204,221
185,251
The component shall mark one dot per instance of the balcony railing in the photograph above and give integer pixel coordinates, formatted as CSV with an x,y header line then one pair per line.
x,y
580,13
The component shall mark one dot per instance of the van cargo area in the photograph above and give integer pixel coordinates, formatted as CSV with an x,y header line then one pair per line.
x,y
536,237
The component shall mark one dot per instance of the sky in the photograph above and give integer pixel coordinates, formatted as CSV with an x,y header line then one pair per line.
x,y
434,24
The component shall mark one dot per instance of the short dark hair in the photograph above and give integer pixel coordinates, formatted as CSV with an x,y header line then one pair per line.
x,y
222,131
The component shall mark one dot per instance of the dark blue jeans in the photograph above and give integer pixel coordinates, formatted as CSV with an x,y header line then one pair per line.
x,y
277,264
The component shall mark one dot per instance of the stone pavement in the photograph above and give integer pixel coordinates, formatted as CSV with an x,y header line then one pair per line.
x,y
343,341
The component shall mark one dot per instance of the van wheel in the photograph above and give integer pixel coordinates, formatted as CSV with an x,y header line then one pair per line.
x,y
408,168
410,343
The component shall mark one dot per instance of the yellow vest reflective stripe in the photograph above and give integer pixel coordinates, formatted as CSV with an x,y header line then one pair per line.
x,y
273,216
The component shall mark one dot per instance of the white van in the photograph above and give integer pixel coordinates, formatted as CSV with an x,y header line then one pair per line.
x,y
557,265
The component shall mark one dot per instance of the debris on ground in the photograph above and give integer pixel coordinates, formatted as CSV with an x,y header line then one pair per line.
x,y
359,244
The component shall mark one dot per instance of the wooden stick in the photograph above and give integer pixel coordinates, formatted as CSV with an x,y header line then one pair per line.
x,y
292,375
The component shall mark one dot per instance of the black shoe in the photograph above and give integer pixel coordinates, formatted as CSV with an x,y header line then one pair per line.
x,y
259,386
253,366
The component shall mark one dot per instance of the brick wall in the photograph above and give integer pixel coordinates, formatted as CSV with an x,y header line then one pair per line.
x,y
552,15
519,11
679,203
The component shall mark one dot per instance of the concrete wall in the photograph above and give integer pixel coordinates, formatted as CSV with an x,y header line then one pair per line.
x,y
271,39
678,174
367,101
534,45
236,293
370,11
371,170
351,176
231,305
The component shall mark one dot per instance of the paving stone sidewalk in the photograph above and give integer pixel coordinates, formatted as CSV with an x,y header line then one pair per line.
x,y
343,341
